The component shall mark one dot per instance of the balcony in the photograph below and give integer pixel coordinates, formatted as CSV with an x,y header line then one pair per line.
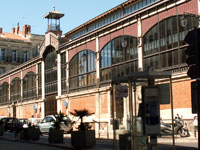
x,y
9,59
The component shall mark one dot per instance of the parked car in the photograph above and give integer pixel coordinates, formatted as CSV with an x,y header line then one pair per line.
x,y
24,121
2,117
49,121
10,123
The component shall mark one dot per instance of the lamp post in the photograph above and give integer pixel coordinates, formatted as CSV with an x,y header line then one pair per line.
x,y
124,45
124,42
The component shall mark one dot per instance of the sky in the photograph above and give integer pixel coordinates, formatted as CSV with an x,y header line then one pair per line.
x,y
31,12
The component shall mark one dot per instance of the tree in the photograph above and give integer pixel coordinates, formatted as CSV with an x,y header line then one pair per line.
x,y
82,113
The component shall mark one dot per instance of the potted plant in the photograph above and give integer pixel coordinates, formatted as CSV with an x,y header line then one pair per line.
x,y
84,137
55,133
1,130
32,132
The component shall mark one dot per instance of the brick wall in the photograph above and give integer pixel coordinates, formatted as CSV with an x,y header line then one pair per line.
x,y
28,111
189,7
104,40
17,75
31,69
104,104
87,102
3,112
131,30
4,80
181,95
90,46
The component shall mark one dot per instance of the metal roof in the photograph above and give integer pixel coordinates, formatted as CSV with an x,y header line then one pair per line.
x,y
54,14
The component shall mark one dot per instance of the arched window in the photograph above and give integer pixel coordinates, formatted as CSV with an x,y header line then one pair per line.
x,y
82,71
15,90
63,73
163,44
39,80
119,57
29,85
4,93
50,60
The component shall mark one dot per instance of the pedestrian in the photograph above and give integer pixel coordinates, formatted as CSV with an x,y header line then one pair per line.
x,y
32,120
195,126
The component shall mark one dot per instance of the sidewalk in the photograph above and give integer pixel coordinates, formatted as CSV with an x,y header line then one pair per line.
x,y
101,144
105,144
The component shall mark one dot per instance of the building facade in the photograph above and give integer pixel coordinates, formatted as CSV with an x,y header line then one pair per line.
x,y
18,47
75,70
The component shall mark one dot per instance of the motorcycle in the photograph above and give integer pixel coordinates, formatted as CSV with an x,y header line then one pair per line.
x,y
180,128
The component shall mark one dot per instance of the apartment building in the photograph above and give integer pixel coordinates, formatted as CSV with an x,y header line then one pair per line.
x,y
18,47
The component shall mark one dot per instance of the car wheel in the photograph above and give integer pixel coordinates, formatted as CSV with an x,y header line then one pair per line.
x,y
184,133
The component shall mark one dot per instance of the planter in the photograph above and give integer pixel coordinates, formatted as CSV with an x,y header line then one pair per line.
x,y
30,133
83,138
125,142
1,130
55,135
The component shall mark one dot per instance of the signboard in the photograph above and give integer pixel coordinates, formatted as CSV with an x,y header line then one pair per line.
x,y
164,93
65,103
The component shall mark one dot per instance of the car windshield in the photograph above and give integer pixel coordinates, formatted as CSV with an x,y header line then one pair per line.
x,y
23,121
10,120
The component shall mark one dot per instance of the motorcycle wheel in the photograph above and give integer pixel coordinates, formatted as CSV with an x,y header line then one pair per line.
x,y
184,133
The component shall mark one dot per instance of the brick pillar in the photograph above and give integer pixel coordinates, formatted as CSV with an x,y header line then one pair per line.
x,y
59,74
59,103
139,46
67,69
97,62
43,83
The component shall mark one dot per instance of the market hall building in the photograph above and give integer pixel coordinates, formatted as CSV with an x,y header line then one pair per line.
x,y
75,69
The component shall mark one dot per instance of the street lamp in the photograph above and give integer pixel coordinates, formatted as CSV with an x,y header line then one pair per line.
x,y
183,21
124,42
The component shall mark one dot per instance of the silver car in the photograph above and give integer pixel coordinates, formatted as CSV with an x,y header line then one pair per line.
x,y
49,121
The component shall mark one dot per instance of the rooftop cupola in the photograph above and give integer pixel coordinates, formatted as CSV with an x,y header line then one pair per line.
x,y
54,20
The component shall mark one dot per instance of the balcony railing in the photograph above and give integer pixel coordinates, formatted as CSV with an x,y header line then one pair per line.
x,y
9,59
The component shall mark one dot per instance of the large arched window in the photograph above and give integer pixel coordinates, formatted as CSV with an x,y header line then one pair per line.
x,y
39,80
82,71
50,60
15,90
163,44
119,57
29,85
4,93
63,73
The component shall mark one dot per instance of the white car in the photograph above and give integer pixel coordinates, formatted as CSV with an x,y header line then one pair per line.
x,y
2,117
49,121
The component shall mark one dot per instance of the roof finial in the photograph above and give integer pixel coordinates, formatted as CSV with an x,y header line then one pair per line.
x,y
54,8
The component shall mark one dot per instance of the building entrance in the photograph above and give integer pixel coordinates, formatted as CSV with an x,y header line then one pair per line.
x,y
50,105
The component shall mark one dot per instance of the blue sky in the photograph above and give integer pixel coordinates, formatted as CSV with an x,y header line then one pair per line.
x,y
31,12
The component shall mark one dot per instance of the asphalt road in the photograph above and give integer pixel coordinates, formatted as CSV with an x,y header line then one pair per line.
x,y
8,145
164,143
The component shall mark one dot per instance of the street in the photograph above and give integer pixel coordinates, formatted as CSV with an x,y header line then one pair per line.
x,y
11,145
8,142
